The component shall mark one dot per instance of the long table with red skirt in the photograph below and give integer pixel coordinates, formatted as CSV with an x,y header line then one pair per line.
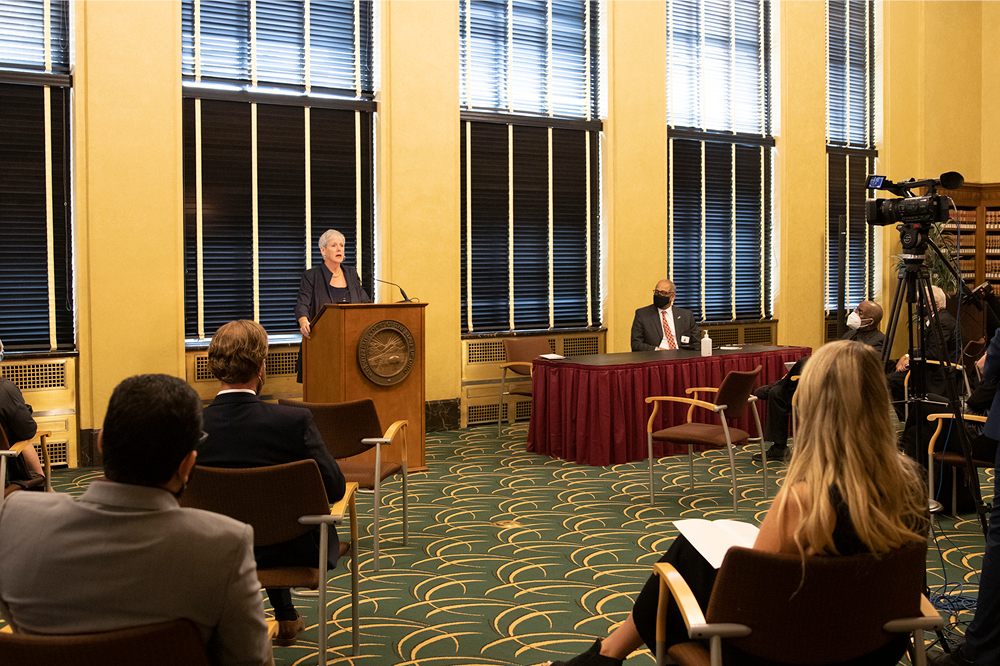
x,y
592,410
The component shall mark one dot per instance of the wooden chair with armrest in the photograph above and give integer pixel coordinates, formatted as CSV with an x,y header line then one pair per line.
x,y
954,459
8,450
519,354
731,400
282,502
949,366
174,643
843,610
353,428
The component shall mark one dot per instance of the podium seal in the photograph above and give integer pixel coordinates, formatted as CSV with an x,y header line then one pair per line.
x,y
385,352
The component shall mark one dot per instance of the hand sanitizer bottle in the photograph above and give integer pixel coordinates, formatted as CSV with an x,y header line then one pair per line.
x,y
706,345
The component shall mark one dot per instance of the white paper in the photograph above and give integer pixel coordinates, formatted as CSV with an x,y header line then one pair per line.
x,y
730,348
552,357
712,538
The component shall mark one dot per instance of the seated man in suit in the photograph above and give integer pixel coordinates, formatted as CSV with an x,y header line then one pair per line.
x,y
18,425
124,553
661,325
245,431
862,326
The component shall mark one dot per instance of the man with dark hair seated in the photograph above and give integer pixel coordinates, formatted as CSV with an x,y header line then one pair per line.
x,y
862,326
125,553
245,431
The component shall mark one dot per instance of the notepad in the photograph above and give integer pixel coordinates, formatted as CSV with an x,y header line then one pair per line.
x,y
712,538
552,357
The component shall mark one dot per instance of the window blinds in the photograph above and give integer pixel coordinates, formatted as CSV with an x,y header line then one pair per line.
x,y
530,165
720,157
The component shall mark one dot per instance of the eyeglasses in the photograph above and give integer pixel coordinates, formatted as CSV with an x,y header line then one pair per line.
x,y
666,294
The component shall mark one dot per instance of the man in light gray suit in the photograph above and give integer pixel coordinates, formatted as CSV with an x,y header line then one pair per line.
x,y
125,553
661,325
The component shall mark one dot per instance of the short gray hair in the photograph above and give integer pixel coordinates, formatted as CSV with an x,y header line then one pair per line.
x,y
940,299
327,235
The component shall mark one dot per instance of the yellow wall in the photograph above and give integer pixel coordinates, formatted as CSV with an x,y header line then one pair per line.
x,y
419,176
129,196
800,173
635,163
939,95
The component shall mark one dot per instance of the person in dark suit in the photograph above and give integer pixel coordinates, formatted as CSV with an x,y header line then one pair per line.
x,y
862,326
661,325
330,282
245,431
18,425
982,637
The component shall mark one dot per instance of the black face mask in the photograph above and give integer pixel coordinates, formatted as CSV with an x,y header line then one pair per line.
x,y
660,301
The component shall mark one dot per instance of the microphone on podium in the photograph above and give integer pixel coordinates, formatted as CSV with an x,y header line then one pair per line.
x,y
405,298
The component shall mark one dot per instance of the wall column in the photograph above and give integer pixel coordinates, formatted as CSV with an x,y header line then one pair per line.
x,y
127,128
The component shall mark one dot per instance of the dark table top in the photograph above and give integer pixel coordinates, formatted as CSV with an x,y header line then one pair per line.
x,y
630,358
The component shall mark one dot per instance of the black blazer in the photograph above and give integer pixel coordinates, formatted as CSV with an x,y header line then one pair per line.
x,y
313,294
245,431
647,330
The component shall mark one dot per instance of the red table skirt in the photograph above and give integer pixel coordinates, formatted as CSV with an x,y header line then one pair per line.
x,y
596,414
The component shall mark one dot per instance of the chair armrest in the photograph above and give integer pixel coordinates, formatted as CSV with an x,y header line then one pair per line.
x,y
940,418
687,401
930,620
696,389
399,427
511,364
694,619
337,510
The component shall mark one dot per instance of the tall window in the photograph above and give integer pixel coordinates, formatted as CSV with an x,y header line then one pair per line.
x,y
530,164
36,262
720,152
278,148
850,147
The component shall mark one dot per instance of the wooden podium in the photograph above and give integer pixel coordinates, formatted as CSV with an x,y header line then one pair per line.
x,y
369,350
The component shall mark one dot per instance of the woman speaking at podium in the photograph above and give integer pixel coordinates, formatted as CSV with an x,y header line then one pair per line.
x,y
330,282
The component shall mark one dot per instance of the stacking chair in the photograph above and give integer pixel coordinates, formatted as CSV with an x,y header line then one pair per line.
x,y
10,451
282,502
731,401
174,643
352,428
954,459
519,352
966,391
839,610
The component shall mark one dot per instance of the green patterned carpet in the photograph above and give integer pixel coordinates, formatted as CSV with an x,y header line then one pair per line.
x,y
516,558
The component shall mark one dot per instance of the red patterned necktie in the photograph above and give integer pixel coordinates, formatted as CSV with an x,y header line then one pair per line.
x,y
667,333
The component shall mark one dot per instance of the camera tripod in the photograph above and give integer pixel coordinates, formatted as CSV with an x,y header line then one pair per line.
x,y
913,286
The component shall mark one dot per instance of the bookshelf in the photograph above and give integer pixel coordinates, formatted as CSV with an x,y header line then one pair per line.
x,y
976,229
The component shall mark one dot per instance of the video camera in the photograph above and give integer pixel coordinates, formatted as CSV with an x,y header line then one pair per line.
x,y
910,209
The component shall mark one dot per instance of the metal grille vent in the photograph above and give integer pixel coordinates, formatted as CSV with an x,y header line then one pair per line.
x,y
757,335
724,336
483,413
831,330
581,346
278,363
36,376
201,370
282,362
523,410
486,351
57,452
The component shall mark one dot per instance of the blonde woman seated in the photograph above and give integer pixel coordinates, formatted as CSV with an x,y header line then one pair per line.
x,y
848,491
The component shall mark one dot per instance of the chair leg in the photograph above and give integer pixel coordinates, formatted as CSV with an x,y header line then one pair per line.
x,y
321,614
649,443
355,565
377,499
406,530
954,491
503,381
690,468
760,439
732,473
